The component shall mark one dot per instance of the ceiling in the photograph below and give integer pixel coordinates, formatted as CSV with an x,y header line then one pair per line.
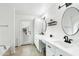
x,y
29,8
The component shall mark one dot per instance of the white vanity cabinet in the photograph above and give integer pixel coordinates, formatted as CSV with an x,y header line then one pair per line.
x,y
37,43
52,50
60,52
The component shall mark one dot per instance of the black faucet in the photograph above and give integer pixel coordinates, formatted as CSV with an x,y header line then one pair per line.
x,y
67,40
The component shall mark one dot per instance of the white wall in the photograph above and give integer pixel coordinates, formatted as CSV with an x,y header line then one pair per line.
x,y
7,33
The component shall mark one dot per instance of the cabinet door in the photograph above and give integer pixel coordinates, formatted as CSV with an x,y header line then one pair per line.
x,y
60,52
50,50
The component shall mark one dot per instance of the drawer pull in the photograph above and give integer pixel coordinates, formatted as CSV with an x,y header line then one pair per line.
x,y
53,55
61,55
49,46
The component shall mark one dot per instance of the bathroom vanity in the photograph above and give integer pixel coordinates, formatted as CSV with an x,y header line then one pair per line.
x,y
52,50
58,48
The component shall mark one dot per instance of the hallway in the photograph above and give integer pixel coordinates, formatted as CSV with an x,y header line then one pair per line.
x,y
28,50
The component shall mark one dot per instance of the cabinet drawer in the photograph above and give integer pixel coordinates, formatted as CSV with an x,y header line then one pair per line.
x,y
52,50
60,52
49,52
51,47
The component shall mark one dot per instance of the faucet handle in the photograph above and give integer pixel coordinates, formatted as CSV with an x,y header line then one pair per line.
x,y
70,40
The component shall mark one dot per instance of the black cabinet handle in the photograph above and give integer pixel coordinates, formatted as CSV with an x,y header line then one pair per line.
x,y
61,55
49,46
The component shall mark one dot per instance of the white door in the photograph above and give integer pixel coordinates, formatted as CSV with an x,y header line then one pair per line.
x,y
27,32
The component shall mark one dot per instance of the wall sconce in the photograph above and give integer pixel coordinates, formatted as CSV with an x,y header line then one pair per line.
x,y
66,4
52,22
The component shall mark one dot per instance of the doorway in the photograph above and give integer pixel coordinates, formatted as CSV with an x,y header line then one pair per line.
x,y
26,32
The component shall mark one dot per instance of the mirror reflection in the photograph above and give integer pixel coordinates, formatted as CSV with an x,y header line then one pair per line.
x,y
40,26
70,21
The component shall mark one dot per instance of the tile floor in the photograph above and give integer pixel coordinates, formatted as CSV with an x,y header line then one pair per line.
x,y
27,50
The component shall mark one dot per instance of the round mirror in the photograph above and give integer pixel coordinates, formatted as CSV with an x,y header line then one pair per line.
x,y
70,21
40,26
44,25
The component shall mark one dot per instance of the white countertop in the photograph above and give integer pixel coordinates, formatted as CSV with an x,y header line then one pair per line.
x,y
72,49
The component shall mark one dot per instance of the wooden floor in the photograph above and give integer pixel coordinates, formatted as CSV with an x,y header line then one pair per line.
x,y
27,50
